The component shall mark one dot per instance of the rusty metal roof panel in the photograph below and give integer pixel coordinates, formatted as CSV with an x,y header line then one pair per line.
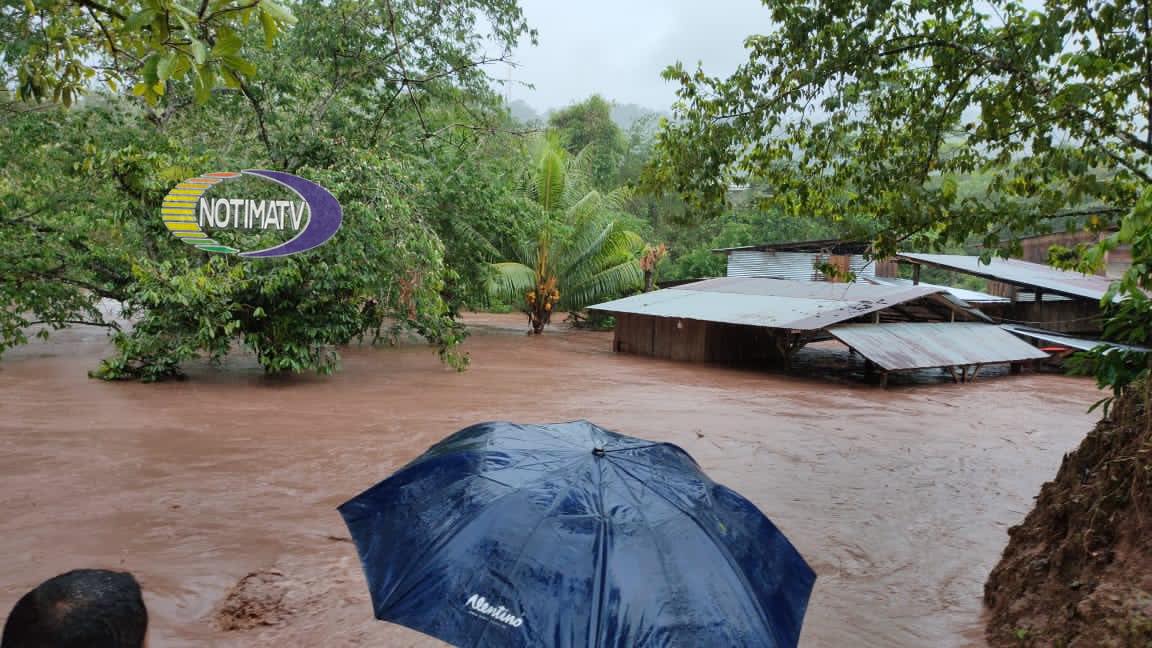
x,y
857,291
1083,344
774,303
1021,273
970,296
919,345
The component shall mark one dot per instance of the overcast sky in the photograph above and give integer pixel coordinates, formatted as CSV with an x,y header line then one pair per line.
x,y
619,47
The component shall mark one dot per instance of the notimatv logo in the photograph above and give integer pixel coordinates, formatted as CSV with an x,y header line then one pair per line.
x,y
189,214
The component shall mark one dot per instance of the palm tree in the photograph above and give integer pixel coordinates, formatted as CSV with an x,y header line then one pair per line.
x,y
582,254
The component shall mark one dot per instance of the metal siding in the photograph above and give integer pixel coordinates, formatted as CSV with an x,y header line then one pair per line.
x,y
918,345
797,266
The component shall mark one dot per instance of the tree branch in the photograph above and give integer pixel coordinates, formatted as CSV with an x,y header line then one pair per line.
x,y
111,325
404,71
108,11
107,36
1121,160
1148,69
260,121
221,12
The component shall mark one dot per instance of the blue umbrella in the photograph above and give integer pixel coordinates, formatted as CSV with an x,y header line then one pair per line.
x,y
571,535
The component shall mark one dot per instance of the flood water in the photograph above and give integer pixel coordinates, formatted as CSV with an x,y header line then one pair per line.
x,y
899,499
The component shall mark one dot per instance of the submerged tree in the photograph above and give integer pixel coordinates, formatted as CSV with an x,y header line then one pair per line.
x,y
363,101
582,252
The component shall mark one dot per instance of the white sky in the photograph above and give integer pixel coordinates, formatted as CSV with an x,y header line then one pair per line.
x,y
618,48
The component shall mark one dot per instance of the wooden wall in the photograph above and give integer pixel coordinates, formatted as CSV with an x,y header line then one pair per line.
x,y
693,340
1073,316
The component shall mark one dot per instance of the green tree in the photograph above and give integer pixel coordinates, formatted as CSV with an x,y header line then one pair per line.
x,y
587,128
581,254
59,48
470,198
876,110
367,101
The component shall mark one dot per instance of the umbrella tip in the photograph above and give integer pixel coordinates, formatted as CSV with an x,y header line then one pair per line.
x,y
598,452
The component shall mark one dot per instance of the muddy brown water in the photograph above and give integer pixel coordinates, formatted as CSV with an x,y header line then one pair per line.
x,y
900,499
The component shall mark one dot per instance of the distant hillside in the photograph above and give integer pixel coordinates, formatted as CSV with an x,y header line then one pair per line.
x,y
625,115
522,112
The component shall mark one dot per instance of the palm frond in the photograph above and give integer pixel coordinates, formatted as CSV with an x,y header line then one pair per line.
x,y
588,206
510,281
609,283
618,198
550,180
612,245
487,249
584,244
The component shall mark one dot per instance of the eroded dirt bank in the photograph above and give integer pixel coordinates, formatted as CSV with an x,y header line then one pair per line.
x,y
1078,570
900,499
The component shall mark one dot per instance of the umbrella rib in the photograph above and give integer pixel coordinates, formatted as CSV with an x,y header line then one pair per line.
x,y
520,554
602,572
647,524
528,465
446,538
547,432
728,557
659,476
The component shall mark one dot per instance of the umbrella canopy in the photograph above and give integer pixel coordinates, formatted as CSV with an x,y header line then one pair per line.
x,y
571,535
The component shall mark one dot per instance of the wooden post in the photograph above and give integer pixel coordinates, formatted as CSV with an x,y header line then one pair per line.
x,y
783,348
975,370
915,274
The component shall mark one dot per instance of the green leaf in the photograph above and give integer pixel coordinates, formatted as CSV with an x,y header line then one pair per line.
x,y
271,29
203,82
227,43
149,72
278,12
948,188
143,17
164,66
181,67
199,52
239,65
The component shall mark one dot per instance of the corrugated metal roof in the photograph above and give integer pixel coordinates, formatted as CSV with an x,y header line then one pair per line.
x,y
1083,344
1020,273
774,303
918,345
800,266
970,296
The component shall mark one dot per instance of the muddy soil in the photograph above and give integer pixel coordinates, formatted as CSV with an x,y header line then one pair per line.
x,y
220,492
1078,570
